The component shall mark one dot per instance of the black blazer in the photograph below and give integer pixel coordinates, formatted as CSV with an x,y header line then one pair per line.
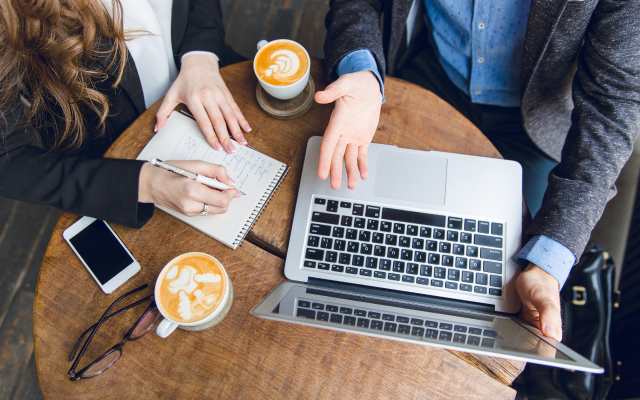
x,y
579,83
84,183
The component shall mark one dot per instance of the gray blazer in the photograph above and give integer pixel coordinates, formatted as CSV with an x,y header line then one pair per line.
x,y
579,91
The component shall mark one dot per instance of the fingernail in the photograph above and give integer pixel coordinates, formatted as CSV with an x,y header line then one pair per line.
x,y
217,145
231,149
238,194
242,140
247,128
155,128
551,330
231,180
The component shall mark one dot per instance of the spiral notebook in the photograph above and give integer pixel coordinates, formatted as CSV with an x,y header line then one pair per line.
x,y
256,174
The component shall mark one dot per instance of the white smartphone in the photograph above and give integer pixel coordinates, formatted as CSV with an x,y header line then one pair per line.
x,y
102,253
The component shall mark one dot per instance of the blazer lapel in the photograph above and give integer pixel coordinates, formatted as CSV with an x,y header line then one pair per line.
x,y
179,12
543,18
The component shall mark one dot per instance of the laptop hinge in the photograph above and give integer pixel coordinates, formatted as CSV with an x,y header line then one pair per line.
x,y
396,294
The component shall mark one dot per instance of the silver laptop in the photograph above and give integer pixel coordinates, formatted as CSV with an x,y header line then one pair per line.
x,y
422,252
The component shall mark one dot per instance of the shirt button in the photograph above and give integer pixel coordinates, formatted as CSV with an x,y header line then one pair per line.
x,y
480,60
481,26
478,91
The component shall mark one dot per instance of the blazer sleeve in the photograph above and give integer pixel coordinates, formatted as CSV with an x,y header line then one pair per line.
x,y
605,124
204,30
103,188
353,25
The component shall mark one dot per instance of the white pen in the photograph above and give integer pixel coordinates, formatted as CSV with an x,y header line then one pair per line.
x,y
191,175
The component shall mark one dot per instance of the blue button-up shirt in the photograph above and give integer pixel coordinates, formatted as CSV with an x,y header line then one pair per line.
x,y
480,45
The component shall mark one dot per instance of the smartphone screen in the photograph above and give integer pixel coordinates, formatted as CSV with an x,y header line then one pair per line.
x,y
101,251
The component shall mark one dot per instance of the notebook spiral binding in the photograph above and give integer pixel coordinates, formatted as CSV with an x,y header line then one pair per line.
x,y
264,200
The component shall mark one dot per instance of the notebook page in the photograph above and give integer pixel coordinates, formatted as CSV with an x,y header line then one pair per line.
x,y
253,172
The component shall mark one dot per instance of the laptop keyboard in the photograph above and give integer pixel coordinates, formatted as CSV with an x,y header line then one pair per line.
x,y
393,323
373,241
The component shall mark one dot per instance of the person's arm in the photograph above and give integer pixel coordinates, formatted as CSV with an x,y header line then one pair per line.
x,y
199,84
351,26
605,125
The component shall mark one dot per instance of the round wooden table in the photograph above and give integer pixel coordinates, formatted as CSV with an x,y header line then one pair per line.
x,y
244,356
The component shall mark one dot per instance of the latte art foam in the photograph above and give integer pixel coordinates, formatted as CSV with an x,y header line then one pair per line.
x,y
281,63
191,288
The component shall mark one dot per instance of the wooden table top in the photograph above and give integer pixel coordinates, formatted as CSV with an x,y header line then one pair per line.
x,y
244,356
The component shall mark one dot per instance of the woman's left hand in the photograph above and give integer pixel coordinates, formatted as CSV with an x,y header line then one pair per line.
x,y
200,87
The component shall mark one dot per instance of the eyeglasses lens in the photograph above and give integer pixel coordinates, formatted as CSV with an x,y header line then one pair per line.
x,y
102,364
145,324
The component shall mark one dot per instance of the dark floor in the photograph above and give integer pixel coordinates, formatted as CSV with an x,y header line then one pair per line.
x,y
25,229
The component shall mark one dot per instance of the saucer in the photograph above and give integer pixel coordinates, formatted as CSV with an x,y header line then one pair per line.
x,y
286,109
217,319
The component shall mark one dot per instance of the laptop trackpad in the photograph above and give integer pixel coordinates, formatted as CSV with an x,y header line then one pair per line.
x,y
411,177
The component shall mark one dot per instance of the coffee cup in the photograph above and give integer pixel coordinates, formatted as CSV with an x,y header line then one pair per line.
x,y
282,67
191,290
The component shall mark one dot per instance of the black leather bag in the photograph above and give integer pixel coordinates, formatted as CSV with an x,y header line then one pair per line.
x,y
586,313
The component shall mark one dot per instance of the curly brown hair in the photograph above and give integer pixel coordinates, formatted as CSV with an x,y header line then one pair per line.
x,y
54,53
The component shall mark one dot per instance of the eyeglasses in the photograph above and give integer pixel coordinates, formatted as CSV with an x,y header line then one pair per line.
x,y
143,325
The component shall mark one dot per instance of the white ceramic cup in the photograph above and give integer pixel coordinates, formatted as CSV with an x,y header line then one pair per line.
x,y
167,326
286,92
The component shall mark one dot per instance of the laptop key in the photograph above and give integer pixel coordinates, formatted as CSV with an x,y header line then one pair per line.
x,y
398,266
431,245
337,268
474,340
379,251
388,317
366,248
417,331
377,237
445,336
496,228
431,334
445,247
475,265
320,201
372,224
393,252
332,205
331,256
339,245
322,316
439,272
363,323
336,318
454,223
412,268
405,241
352,247
420,257
323,266
390,327
351,321
351,234
495,281
391,240
459,338
451,285
338,232
460,328
452,236
344,204
447,261
351,270
426,270
480,289
358,260
326,243
332,308
422,281
436,283
304,303
425,232
359,313
345,258
403,320
470,225
346,220
488,241
404,329
317,306
453,275
385,264
466,237
364,236
488,342
373,212
325,218
472,251
467,276
495,292
317,229
406,254
365,272
481,279
314,254
430,324
304,313
417,243
446,326
408,278
385,226
379,274
309,264
434,258
461,262
458,249
438,234
492,267
373,314
358,209
313,241
377,325
371,262
419,218
483,227
398,228
359,222
465,288
412,230
393,277
346,310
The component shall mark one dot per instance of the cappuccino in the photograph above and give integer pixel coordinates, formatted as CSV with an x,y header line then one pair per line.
x,y
190,288
281,63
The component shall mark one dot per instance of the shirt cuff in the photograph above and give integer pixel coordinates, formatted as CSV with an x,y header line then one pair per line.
x,y
199,52
550,255
361,60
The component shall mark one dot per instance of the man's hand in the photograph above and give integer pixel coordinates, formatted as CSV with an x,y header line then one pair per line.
x,y
540,295
351,127
200,87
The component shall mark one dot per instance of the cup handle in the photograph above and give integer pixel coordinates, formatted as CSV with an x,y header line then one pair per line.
x,y
262,43
165,328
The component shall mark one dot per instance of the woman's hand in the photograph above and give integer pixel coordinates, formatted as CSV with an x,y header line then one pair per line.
x,y
184,195
200,87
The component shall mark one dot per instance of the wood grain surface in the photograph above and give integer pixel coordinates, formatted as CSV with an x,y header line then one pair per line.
x,y
244,356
